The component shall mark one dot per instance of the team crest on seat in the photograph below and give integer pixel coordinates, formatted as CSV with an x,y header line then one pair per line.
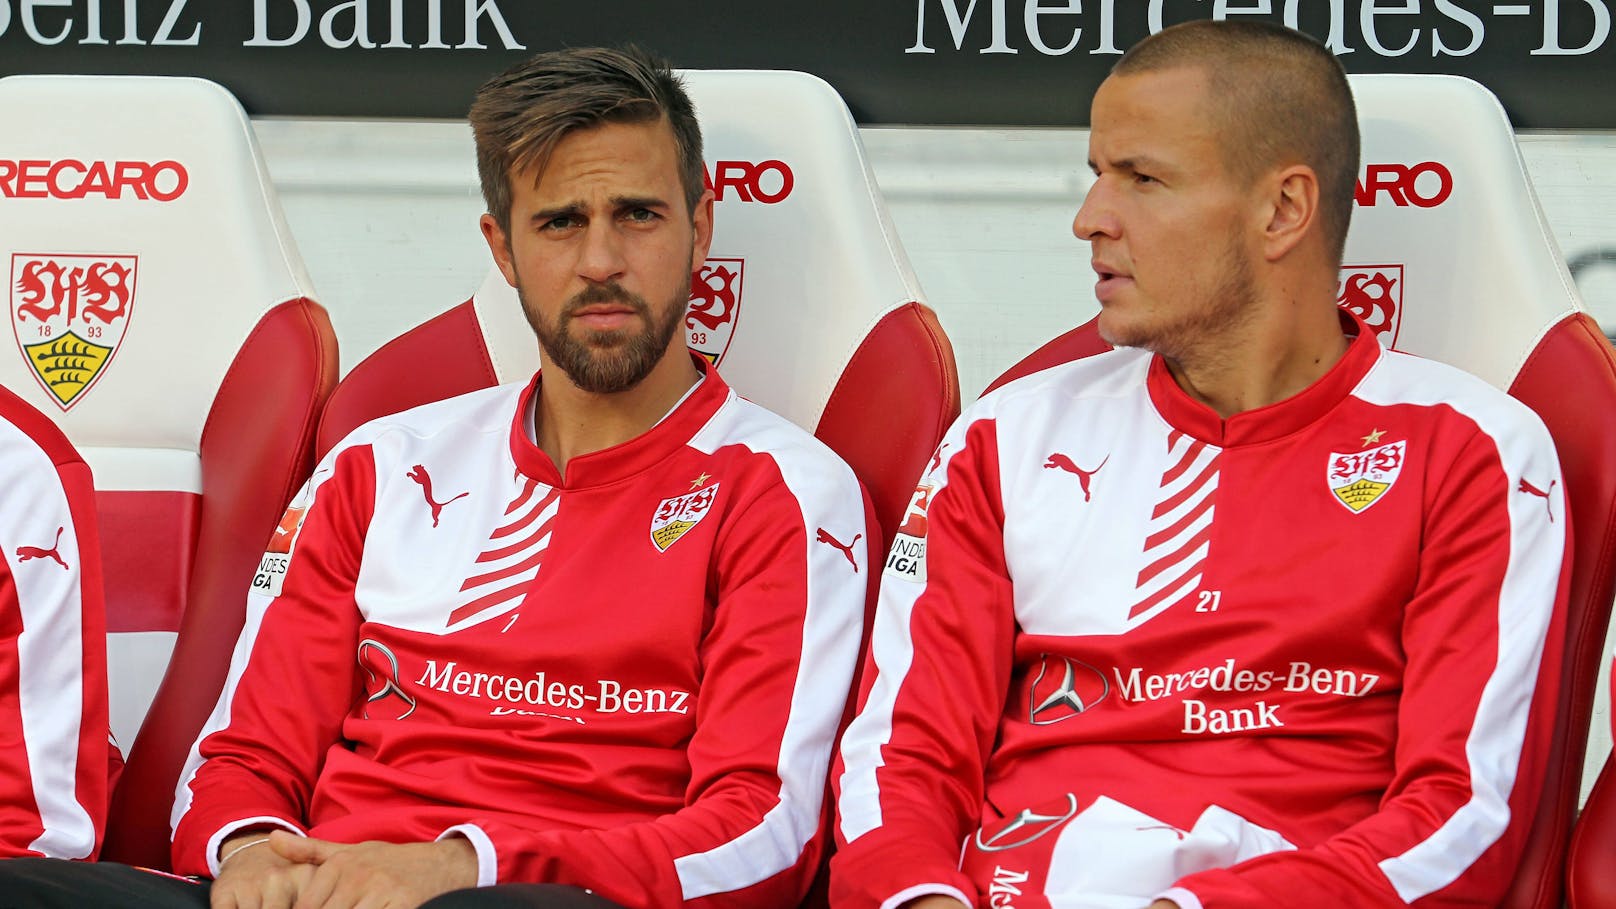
x,y
674,517
1374,293
1360,478
715,302
69,313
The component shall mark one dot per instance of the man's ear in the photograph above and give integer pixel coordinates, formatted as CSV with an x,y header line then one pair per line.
x,y
701,219
1291,209
499,245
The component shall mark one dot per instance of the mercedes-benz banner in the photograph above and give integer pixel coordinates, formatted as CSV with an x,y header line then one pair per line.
x,y
982,62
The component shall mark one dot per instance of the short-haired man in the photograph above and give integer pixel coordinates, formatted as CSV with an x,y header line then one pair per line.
x,y
1249,617
558,631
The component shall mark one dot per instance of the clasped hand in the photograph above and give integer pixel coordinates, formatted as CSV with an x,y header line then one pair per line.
x,y
293,872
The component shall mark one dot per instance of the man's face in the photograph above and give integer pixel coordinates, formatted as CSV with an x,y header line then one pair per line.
x,y
1168,224
600,252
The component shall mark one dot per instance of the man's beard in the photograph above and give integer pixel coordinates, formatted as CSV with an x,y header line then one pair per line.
x,y
605,362
1229,307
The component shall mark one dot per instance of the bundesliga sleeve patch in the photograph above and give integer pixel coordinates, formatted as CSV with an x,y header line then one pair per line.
x,y
907,560
278,556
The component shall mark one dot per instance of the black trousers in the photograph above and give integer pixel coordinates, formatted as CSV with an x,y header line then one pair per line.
x,y
33,883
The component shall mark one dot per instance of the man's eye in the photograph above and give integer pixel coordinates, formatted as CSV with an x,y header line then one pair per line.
x,y
641,215
1143,179
562,222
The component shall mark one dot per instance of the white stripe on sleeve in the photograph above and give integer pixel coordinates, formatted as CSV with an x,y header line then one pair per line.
x,y
50,649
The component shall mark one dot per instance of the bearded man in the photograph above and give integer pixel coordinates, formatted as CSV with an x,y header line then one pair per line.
x,y
551,636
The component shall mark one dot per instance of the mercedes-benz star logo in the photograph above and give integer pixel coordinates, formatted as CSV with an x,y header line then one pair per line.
x,y
1026,827
380,664
1081,687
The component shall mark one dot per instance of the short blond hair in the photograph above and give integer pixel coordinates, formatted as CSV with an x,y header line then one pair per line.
x,y
1281,98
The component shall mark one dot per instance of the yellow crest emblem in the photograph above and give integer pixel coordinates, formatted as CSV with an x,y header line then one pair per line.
x,y
1359,479
676,516
69,313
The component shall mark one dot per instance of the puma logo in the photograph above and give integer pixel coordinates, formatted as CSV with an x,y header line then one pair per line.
x,y
1058,461
847,550
25,553
1531,490
418,474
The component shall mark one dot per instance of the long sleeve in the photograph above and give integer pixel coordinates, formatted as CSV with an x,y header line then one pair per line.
x,y
53,684
1469,758
292,677
912,782
776,665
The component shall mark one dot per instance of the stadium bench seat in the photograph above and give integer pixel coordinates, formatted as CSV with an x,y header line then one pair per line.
x,y
162,316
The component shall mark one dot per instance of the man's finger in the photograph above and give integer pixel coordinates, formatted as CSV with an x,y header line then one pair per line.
x,y
221,898
350,890
318,888
325,888
245,899
278,892
303,849
374,899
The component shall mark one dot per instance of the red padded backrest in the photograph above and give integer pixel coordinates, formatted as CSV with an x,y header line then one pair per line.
x,y
1082,341
1456,263
892,404
442,357
256,450
182,352
1591,873
1570,375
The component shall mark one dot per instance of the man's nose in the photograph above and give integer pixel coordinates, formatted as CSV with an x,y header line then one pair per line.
x,y
601,258
1096,217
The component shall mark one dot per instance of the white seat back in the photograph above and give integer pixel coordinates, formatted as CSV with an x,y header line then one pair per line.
x,y
140,207
1449,255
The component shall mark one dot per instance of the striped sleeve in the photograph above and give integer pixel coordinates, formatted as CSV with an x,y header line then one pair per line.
x,y
53,685
912,778
1473,733
776,667
287,692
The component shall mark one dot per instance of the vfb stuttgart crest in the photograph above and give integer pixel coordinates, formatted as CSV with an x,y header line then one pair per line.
x,y
1374,293
674,517
1359,479
69,314
715,302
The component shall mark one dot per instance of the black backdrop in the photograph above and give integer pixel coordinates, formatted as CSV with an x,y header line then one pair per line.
x,y
983,62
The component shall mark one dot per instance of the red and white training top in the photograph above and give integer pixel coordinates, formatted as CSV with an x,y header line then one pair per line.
x,y
628,681
1125,649
54,749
